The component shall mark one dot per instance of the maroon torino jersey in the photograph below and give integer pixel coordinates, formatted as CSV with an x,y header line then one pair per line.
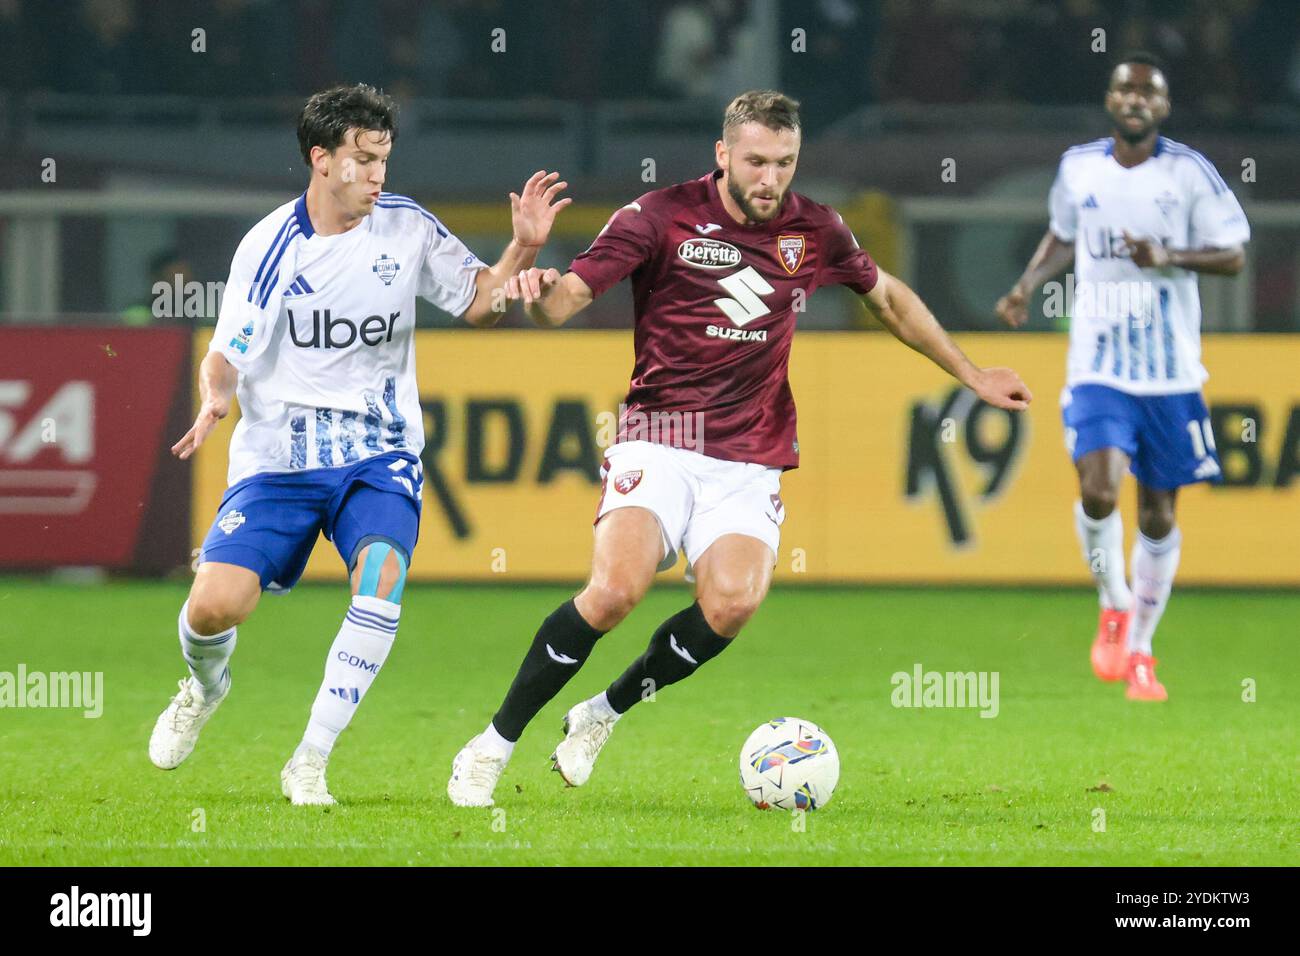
x,y
714,313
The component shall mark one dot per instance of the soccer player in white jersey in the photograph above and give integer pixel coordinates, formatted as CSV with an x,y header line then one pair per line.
x,y
1140,215
315,337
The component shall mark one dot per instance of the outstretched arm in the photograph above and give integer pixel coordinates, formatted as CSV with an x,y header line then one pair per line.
x,y
1052,256
550,299
217,380
532,214
901,311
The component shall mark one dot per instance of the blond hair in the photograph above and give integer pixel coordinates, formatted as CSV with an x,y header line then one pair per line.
x,y
774,110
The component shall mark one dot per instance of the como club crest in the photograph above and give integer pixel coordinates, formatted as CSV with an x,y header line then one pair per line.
x,y
625,482
790,250
386,268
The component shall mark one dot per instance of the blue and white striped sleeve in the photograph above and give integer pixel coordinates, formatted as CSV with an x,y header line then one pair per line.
x,y
449,272
250,304
1218,221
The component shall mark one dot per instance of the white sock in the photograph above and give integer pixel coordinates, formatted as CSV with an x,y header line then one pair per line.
x,y
1103,549
206,655
1154,564
603,708
354,660
492,740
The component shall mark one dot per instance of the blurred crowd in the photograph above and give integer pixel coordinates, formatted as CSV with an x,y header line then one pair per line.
x,y
1224,56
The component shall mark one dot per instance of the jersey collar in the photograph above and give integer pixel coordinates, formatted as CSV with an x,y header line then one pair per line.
x,y
304,220
1160,146
308,231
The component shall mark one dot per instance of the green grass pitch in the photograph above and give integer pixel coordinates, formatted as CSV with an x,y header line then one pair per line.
x,y
1206,778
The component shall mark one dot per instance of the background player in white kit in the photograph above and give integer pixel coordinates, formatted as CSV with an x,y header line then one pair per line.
x,y
1140,215
316,335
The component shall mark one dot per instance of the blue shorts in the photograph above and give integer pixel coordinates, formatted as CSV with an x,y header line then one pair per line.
x,y
268,523
1166,437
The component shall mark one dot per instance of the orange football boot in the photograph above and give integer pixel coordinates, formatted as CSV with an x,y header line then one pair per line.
x,y
1110,649
1142,682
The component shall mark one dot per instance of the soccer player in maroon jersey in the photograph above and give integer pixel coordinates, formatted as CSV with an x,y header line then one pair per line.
x,y
709,422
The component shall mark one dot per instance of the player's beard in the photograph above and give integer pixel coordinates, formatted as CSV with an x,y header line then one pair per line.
x,y
1133,137
752,214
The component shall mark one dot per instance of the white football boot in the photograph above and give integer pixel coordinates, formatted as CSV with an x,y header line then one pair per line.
x,y
585,732
177,729
303,779
474,775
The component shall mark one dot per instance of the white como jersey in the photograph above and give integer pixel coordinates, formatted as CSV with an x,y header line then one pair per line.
x,y
1139,330
321,328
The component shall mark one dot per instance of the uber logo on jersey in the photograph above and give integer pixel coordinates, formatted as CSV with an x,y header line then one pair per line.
x,y
708,254
331,333
1107,243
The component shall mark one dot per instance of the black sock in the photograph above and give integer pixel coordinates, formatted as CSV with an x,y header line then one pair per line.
x,y
680,646
564,635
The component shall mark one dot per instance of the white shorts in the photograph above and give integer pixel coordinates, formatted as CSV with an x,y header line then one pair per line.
x,y
697,499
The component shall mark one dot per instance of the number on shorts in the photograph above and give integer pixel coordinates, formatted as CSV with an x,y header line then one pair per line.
x,y
1202,437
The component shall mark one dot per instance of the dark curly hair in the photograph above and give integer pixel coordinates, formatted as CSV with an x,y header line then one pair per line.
x,y
1143,57
329,114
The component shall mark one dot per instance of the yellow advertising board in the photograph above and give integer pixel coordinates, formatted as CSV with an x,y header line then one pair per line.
x,y
903,476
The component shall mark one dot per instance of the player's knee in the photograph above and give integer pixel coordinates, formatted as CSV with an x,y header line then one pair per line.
x,y
380,572
1099,496
605,604
1156,520
212,614
728,609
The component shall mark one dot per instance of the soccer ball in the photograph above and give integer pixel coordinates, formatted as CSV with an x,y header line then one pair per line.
x,y
789,763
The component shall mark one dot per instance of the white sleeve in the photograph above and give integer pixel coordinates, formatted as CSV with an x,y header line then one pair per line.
x,y
1218,220
448,272
250,303
1062,207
